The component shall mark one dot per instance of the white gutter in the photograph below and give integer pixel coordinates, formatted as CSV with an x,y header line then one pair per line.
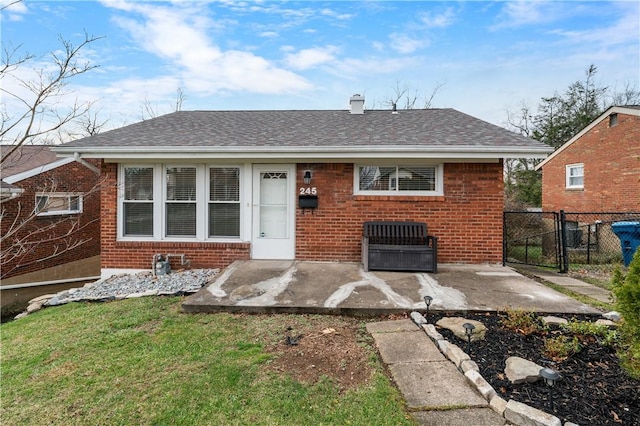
x,y
184,152
41,283
37,170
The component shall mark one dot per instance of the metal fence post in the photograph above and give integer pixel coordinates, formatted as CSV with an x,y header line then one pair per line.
x,y
504,238
564,264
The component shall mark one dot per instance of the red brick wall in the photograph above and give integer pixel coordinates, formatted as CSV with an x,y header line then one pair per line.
x,y
611,158
139,255
467,220
47,240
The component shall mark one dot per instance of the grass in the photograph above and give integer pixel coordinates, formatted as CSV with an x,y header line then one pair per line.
x,y
141,361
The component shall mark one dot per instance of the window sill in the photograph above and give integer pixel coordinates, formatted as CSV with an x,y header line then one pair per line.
x,y
59,213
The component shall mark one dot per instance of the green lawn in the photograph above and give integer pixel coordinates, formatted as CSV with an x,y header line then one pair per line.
x,y
141,361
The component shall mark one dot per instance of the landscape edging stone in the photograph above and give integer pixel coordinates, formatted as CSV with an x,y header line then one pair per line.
x,y
515,412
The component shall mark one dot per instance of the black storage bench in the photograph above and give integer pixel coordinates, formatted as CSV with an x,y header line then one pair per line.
x,y
399,246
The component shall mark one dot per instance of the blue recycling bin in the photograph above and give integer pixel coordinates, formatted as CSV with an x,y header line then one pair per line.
x,y
629,235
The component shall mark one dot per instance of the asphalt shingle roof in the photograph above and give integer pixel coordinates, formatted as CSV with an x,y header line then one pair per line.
x,y
25,158
317,128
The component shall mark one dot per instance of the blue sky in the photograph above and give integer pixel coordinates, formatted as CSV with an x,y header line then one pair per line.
x,y
485,57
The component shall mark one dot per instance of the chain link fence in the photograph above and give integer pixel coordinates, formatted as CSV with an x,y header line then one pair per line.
x,y
582,244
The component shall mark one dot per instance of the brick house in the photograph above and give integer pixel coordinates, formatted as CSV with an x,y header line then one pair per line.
x,y
219,186
50,210
598,170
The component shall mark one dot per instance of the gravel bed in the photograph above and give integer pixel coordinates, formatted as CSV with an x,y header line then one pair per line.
x,y
137,285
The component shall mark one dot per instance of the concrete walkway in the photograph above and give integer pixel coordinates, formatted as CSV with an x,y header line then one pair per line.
x,y
573,284
436,393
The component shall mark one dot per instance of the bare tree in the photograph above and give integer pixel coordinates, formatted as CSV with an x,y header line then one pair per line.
x,y
407,97
37,111
150,111
32,112
628,95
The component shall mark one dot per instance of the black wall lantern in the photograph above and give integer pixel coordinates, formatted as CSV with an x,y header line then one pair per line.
x,y
307,177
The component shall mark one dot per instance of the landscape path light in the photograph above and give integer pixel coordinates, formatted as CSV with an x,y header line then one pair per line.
x,y
550,377
468,330
427,301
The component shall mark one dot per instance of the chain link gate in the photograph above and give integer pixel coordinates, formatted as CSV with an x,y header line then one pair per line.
x,y
580,242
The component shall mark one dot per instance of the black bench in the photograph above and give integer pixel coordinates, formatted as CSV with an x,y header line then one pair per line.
x,y
398,246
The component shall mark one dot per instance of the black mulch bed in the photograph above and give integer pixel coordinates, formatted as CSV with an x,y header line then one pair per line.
x,y
593,390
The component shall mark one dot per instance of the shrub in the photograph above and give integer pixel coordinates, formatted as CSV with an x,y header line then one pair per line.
x,y
626,288
561,347
523,322
604,335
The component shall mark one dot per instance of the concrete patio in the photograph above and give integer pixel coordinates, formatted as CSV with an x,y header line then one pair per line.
x,y
261,286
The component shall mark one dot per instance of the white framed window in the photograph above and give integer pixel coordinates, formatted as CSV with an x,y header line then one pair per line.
x,y
223,215
180,202
138,201
58,203
575,176
398,180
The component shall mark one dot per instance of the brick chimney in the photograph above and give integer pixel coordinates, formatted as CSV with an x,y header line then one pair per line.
x,y
357,104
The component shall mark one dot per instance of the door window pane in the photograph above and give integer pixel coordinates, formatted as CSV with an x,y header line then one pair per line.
x,y
273,205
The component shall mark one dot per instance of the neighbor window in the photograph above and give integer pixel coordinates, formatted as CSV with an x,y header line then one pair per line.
x,y
58,203
138,200
419,180
575,176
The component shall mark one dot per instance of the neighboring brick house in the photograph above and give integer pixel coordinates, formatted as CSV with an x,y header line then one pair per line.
x,y
218,186
598,170
50,212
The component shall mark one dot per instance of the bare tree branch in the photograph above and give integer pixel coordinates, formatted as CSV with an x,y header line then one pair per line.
x,y
45,91
406,97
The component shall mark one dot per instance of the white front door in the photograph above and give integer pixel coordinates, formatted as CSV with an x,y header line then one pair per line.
x,y
273,235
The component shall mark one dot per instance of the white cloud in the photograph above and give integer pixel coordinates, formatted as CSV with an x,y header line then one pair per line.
x,y
310,58
437,20
521,12
405,44
15,11
268,34
625,30
179,35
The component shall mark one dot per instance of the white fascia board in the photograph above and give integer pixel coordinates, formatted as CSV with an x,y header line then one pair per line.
x,y
309,153
37,170
594,123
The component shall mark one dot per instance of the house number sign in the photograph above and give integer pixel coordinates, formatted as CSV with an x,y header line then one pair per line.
x,y
308,191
